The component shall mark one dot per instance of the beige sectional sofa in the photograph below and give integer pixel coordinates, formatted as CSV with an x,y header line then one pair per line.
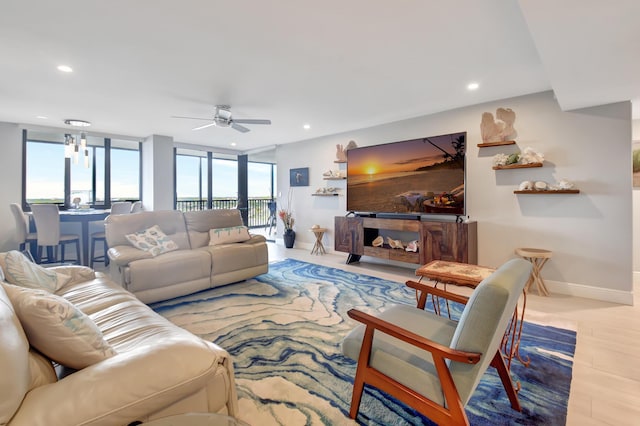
x,y
193,265
157,370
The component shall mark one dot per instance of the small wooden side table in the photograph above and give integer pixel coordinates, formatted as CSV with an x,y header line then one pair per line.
x,y
537,257
318,248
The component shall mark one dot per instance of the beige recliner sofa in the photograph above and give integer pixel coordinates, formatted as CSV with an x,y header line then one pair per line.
x,y
194,266
158,370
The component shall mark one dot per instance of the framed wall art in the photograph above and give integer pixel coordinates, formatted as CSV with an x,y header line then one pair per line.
x,y
299,177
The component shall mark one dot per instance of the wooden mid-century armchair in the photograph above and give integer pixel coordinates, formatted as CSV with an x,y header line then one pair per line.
x,y
433,363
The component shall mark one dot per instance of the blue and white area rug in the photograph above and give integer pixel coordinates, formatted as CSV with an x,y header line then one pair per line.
x,y
284,331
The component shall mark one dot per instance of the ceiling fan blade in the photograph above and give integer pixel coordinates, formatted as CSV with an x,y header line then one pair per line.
x,y
239,127
204,126
191,118
251,121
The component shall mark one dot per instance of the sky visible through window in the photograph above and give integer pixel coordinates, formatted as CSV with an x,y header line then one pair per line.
x,y
225,178
45,175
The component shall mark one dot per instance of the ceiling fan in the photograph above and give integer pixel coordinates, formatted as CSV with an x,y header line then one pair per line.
x,y
223,118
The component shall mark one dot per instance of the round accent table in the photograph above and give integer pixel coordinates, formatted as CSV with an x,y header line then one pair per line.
x,y
318,248
537,257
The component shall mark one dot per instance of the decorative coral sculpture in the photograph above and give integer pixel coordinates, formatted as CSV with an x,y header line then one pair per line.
x,y
530,156
499,129
341,151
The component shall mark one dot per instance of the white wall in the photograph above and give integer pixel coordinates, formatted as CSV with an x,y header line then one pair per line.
x,y
10,181
636,209
588,233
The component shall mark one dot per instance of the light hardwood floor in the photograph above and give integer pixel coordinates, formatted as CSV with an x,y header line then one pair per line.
x,y
605,389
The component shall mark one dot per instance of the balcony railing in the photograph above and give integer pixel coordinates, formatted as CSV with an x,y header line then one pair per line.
x,y
259,213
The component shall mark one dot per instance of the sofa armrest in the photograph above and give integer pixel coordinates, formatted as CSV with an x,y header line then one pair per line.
x,y
126,387
255,239
78,273
124,255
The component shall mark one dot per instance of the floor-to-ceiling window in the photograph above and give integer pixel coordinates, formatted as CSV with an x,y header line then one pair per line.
x,y
191,180
199,170
79,169
125,170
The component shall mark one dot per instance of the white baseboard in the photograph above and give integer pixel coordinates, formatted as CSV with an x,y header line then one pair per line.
x,y
580,290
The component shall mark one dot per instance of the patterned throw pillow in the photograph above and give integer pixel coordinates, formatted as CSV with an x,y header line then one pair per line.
x,y
19,270
152,240
57,328
234,234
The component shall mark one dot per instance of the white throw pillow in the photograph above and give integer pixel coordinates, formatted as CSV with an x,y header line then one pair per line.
x,y
233,234
56,328
152,240
19,270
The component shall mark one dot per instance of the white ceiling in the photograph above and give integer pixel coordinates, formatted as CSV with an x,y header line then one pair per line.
x,y
337,64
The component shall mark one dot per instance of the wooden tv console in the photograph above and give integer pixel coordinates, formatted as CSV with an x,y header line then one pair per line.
x,y
437,240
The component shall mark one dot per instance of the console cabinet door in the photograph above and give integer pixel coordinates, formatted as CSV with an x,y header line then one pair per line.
x,y
451,241
349,235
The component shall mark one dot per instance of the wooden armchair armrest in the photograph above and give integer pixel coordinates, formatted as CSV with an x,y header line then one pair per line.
x,y
424,290
414,339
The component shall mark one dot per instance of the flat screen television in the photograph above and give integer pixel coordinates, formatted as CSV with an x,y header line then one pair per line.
x,y
418,176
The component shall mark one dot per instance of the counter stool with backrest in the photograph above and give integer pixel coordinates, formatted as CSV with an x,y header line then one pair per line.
x,y
121,207
136,207
47,220
272,215
22,227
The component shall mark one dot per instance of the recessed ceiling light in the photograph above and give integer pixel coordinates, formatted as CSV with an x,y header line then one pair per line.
x,y
472,86
233,144
42,117
306,126
77,123
65,68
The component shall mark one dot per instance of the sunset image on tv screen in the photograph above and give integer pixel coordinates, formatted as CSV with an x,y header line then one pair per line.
x,y
423,175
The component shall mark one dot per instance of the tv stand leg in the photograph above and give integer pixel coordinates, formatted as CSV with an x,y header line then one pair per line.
x,y
353,258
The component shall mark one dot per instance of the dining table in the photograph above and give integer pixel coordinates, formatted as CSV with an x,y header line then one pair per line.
x,y
84,217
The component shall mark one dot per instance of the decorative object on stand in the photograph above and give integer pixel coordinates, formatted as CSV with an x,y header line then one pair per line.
x,y
330,190
286,215
333,175
299,177
563,186
341,151
528,158
395,244
499,130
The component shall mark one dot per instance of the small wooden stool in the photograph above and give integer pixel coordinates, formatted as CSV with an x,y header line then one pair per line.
x,y
537,257
318,248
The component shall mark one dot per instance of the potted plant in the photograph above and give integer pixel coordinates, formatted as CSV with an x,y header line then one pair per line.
x,y
286,215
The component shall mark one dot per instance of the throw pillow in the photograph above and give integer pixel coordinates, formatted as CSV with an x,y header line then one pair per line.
x,y
233,234
58,329
152,240
19,270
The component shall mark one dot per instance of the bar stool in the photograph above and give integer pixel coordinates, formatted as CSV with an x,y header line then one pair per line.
x,y
122,207
47,219
537,257
23,235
